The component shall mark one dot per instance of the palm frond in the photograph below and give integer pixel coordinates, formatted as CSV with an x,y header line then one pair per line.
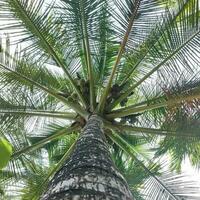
x,y
182,91
134,57
145,19
42,142
39,26
164,131
19,77
37,183
84,21
170,49
165,187
131,17
132,171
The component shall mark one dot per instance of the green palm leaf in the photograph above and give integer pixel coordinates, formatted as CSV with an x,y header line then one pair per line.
x,y
164,186
169,47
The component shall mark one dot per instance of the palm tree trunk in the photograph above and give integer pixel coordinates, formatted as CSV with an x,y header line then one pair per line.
x,y
89,173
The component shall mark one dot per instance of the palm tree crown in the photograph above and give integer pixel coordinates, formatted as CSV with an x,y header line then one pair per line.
x,y
134,63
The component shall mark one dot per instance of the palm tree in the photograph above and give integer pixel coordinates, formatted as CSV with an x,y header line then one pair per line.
x,y
96,95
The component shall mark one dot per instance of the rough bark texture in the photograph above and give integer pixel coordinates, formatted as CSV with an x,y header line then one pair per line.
x,y
89,173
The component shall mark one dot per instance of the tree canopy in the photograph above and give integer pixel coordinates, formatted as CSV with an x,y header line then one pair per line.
x,y
135,63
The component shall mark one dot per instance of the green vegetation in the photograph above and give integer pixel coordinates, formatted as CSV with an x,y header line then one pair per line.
x,y
5,152
135,63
